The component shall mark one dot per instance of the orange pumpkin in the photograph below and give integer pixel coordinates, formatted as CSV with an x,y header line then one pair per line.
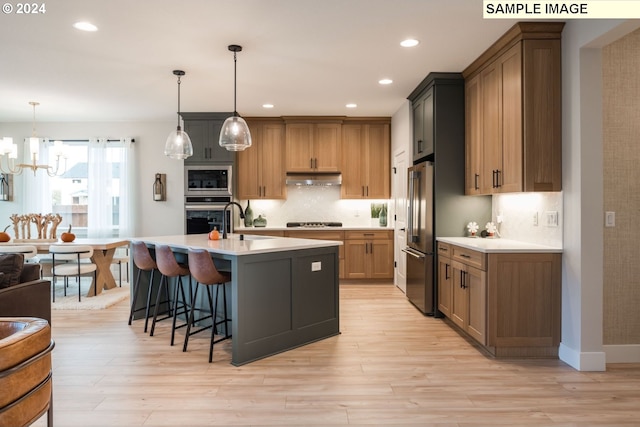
x,y
214,234
68,236
4,236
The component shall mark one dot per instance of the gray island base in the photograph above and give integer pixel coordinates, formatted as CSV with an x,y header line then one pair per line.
x,y
284,291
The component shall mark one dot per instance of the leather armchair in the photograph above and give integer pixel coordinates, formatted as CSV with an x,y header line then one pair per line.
x,y
31,297
25,371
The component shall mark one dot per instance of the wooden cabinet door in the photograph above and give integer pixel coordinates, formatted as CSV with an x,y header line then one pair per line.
x,y
380,259
460,298
248,181
272,164
490,80
356,259
299,147
378,161
326,147
510,175
476,287
473,137
353,163
445,285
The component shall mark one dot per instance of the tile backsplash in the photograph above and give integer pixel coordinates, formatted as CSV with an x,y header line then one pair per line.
x,y
315,204
520,211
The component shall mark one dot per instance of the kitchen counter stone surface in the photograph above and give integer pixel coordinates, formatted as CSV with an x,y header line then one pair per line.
x,y
284,228
234,246
498,245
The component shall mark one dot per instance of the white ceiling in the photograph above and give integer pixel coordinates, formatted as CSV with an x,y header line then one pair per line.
x,y
307,57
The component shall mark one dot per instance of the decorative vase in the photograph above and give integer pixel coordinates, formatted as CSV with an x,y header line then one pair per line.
x,y
248,215
260,221
383,216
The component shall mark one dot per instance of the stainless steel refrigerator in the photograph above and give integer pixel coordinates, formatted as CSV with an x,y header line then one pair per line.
x,y
420,238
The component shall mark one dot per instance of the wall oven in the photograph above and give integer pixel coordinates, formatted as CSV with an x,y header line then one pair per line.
x,y
207,181
204,218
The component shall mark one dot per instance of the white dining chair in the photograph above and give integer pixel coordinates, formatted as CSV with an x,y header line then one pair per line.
x,y
71,261
121,257
30,252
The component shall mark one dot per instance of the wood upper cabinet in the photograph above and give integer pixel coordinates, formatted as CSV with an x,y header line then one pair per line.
x,y
513,113
313,146
366,157
204,131
261,168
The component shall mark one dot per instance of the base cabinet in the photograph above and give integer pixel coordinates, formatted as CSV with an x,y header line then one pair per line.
x,y
507,302
368,254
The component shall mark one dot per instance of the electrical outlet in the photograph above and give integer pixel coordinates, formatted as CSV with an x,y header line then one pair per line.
x,y
609,219
316,266
535,219
551,218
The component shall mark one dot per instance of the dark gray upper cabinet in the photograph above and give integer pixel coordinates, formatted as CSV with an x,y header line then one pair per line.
x,y
204,131
438,106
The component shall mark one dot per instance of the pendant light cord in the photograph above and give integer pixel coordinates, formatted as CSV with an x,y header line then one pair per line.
x,y
235,112
178,102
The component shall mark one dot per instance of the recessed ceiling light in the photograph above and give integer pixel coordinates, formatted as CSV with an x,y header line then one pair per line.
x,y
267,105
385,81
351,105
409,43
85,26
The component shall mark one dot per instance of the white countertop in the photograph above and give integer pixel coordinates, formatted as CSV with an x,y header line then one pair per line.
x,y
285,228
234,246
498,245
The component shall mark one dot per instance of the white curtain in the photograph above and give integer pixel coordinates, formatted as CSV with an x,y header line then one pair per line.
x,y
105,158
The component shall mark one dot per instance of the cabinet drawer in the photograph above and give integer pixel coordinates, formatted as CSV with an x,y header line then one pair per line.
x,y
469,257
368,234
319,235
444,249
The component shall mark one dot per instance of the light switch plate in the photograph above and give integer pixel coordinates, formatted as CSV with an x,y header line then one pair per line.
x,y
316,266
609,219
551,218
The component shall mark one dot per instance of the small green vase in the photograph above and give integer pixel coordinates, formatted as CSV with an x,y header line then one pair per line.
x,y
248,215
383,216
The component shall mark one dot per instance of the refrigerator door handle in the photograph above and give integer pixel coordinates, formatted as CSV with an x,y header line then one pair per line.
x,y
413,253
410,209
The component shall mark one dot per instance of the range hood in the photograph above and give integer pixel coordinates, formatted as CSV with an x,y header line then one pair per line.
x,y
317,179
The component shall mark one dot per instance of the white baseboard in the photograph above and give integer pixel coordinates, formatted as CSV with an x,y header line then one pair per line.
x,y
583,361
626,353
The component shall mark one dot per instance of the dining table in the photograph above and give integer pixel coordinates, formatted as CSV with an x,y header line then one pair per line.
x,y
104,248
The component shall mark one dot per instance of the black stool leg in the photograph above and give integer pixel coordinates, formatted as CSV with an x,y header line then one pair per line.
x,y
190,321
163,281
214,314
149,291
180,287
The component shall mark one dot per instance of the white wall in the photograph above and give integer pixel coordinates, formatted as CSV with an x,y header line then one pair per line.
x,y
582,283
151,218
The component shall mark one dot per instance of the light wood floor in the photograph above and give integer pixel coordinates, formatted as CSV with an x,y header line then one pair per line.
x,y
390,366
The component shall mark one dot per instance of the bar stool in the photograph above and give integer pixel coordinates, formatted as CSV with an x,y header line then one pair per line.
x,y
205,272
169,267
144,262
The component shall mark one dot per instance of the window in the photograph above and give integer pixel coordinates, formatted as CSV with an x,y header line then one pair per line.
x,y
93,191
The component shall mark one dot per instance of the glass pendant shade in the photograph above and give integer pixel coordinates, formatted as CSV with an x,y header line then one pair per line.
x,y
235,135
178,145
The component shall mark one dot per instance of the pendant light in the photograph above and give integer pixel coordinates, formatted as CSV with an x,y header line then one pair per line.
x,y
178,144
235,135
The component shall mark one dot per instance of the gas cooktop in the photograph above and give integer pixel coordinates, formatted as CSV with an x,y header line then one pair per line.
x,y
314,224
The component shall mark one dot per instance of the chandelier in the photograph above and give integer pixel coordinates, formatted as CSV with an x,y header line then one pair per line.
x,y
9,154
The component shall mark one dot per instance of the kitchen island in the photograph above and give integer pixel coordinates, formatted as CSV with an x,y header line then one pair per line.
x,y
284,291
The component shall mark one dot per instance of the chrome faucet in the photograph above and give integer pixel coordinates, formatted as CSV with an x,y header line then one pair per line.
x,y
224,217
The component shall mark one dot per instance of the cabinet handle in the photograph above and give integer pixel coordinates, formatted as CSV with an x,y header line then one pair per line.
x,y
493,178
363,191
419,146
476,181
446,272
368,234
367,191
465,256
462,279
498,178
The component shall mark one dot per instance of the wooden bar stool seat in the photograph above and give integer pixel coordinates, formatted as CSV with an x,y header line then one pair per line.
x,y
169,267
205,273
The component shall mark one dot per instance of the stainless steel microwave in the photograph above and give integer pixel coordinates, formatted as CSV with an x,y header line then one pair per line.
x,y
208,180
